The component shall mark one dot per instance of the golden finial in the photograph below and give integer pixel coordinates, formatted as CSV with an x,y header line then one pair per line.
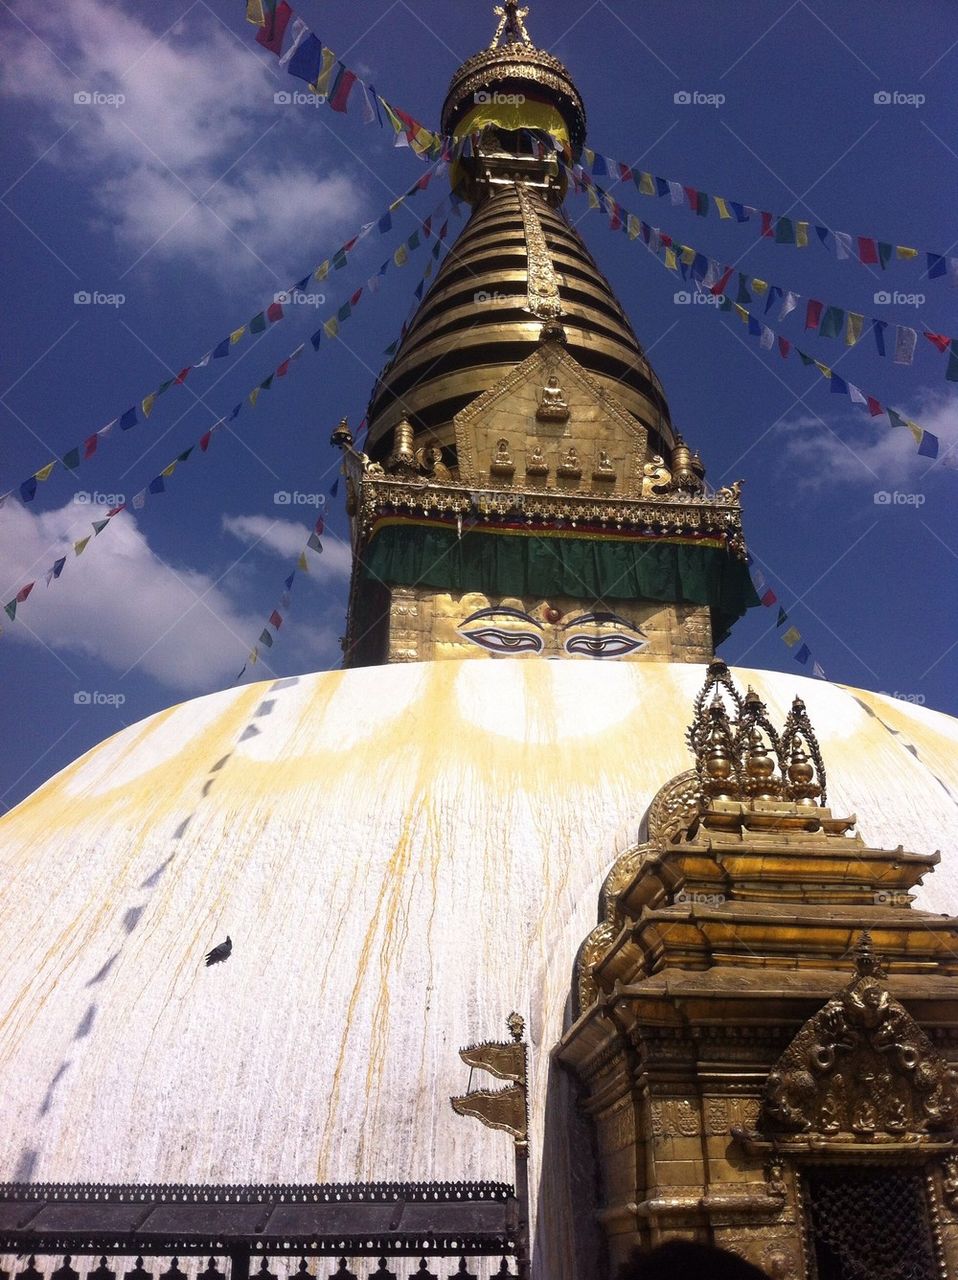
x,y
511,23
342,437
516,1024
758,748
805,771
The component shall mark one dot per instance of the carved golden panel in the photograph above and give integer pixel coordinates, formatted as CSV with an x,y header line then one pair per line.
x,y
542,413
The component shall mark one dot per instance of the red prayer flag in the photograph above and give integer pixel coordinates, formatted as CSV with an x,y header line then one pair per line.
x,y
719,286
874,407
941,340
320,525
344,82
89,446
769,598
275,620
867,249
784,347
615,218
348,245
271,36
427,227
424,181
625,173
355,298
693,198
24,592
282,369
813,313
181,376
666,240
205,441
274,312
767,226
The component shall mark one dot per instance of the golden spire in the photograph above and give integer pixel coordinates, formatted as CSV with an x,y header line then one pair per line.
x,y
511,24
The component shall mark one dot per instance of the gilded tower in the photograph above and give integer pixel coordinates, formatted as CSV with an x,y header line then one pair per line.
x,y
523,489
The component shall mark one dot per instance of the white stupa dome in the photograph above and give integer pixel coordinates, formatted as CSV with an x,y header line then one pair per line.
x,y
401,855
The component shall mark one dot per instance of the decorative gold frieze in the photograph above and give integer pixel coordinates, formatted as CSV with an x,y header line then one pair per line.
x,y
542,287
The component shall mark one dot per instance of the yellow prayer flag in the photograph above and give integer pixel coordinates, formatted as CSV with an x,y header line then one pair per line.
x,y
422,141
168,471
801,235
254,656
742,313
254,396
303,564
331,327
634,226
722,207
254,13
670,259
646,184
759,285
589,156
325,77
44,472
394,120
401,256
147,405
792,637
686,254
903,251
853,328
823,369
78,547
236,335
915,430
592,197
322,271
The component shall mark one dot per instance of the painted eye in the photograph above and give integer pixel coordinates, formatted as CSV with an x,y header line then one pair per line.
x,y
497,641
615,645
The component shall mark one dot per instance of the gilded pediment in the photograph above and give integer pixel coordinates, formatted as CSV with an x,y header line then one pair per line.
x,y
547,425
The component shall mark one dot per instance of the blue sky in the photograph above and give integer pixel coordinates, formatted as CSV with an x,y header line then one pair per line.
x,y
198,196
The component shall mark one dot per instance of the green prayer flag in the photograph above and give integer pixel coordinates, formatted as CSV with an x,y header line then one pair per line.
x,y
11,610
743,293
99,526
884,252
833,322
784,231
267,382
71,460
165,386
805,359
266,639
258,323
339,260
186,453
413,240
782,617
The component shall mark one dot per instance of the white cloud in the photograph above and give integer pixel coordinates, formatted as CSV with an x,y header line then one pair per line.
x,y
286,539
195,98
120,602
852,448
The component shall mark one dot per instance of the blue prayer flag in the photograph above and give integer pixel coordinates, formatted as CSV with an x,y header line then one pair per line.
x,y
306,62
128,420
929,445
221,349
803,654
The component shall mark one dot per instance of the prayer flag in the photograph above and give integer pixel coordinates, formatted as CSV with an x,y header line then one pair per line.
x,y
271,36
792,636
314,542
89,446
147,405
205,441
784,231
903,251
274,312
878,329
221,349
237,334
853,328
789,303
266,639
325,77
645,184
275,620
376,101
301,563
936,265
818,670
782,617
307,59
331,327
99,526
832,322
928,445
940,340
867,250
769,598
58,566
339,97
843,245
254,12
951,373
128,420
80,547
71,459
369,115
839,385
784,346
11,610
803,654
874,408
813,313
258,323
300,30
767,226
905,340
801,235
24,592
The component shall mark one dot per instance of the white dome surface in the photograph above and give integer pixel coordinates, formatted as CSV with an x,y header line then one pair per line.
x,y
401,856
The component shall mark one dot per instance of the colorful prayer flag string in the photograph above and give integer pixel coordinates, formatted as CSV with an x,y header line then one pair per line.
x,y
658,243
264,319
792,637
276,618
868,250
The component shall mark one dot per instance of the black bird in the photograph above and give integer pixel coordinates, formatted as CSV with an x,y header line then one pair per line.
x,y
220,953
